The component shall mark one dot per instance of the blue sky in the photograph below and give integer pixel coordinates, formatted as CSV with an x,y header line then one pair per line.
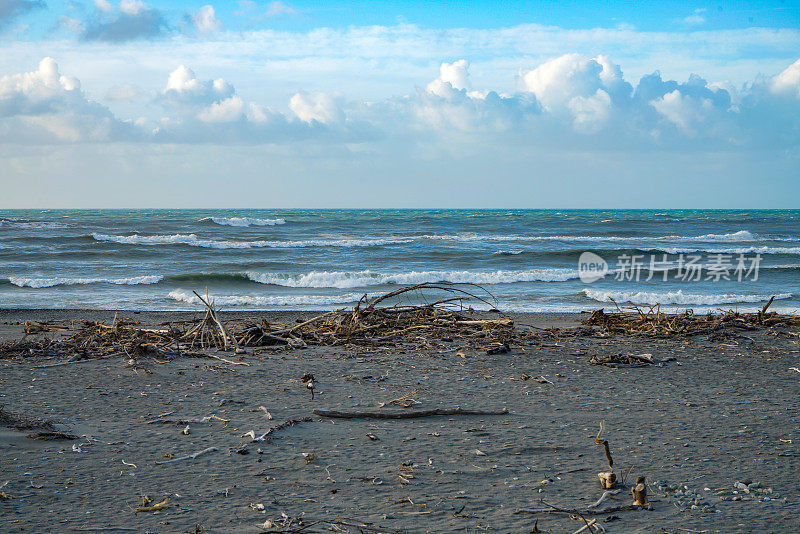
x,y
335,104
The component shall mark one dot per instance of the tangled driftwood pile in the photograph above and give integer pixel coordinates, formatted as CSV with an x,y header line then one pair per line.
x,y
444,319
651,321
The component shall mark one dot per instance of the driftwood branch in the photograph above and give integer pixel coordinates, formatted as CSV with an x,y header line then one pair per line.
x,y
189,456
406,415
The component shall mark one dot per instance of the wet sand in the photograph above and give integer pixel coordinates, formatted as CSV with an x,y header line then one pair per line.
x,y
719,413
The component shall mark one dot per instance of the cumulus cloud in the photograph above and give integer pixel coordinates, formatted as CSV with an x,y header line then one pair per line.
x,y
788,81
317,107
11,9
183,87
44,106
206,21
136,20
571,100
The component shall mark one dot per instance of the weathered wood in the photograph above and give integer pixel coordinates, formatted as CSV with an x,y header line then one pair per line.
x,y
406,415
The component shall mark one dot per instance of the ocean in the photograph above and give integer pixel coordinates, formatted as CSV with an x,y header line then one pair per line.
x,y
519,260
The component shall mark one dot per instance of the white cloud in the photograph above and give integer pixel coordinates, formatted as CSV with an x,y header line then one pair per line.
x,y
103,5
206,21
787,82
320,107
183,86
694,20
277,8
571,101
590,112
44,106
683,110
132,7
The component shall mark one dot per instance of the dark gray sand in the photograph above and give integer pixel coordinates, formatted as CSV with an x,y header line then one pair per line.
x,y
720,413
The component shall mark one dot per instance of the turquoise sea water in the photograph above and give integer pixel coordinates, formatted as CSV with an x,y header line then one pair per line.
x,y
319,259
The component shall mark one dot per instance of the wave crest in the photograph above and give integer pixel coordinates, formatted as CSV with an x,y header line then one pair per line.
x,y
677,297
56,281
343,279
242,221
271,300
194,241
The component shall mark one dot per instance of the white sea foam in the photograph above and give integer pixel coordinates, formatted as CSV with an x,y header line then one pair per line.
x,y
194,241
343,279
243,221
741,235
271,300
47,225
507,252
677,297
56,281
731,250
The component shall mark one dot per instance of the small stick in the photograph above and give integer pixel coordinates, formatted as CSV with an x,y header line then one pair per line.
x,y
189,456
589,525
156,507
603,498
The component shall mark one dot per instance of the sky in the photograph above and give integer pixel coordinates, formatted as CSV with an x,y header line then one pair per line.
x,y
553,104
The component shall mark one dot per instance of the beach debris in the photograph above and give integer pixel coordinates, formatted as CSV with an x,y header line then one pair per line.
x,y
267,436
623,360
189,456
186,430
631,319
52,435
608,478
498,348
3,495
308,380
478,452
606,494
266,412
406,400
639,491
367,323
309,457
210,331
372,436
405,415
148,507
592,526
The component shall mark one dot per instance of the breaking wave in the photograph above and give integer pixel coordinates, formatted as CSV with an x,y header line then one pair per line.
x,y
51,282
272,300
242,221
194,241
677,297
22,223
343,280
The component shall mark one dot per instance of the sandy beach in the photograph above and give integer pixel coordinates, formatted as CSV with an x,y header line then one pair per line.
x,y
707,415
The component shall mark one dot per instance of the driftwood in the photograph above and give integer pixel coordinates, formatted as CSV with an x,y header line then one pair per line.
x,y
406,415
153,508
267,436
587,511
650,321
188,456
